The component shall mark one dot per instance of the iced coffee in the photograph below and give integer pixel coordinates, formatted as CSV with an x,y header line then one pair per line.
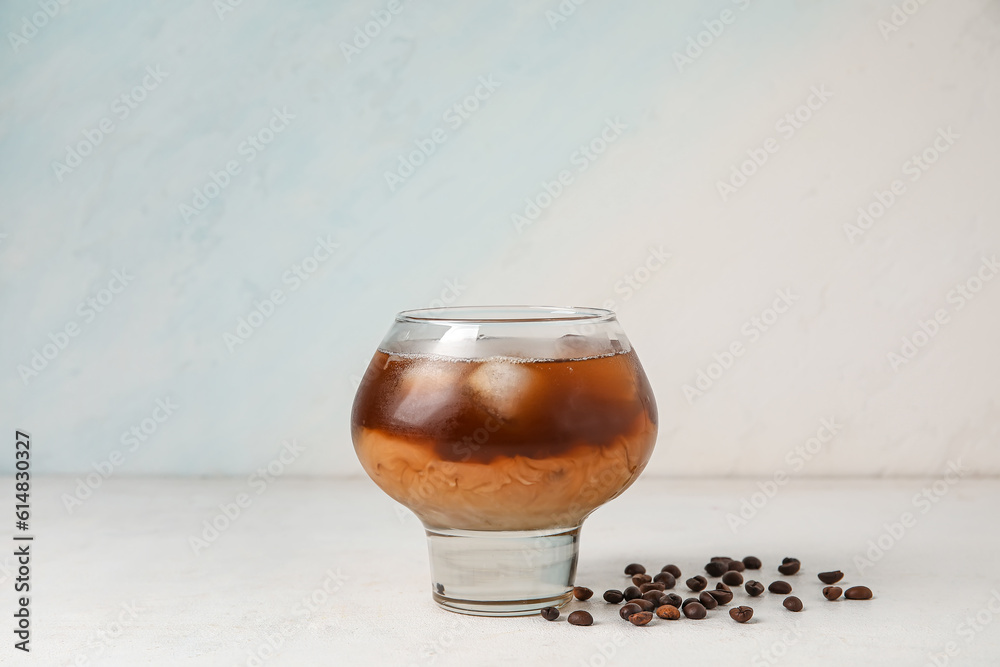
x,y
506,441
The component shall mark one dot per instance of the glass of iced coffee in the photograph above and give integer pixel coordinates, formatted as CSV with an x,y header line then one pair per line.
x,y
502,428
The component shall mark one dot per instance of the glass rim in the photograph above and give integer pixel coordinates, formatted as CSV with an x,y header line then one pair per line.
x,y
505,315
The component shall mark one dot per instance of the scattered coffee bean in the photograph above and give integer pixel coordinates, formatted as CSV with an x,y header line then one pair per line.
x,y
830,577
642,618
723,587
581,593
752,563
858,593
715,568
641,579
672,569
832,592
741,614
792,603
668,580
550,613
753,588
672,599
580,617
722,597
631,593
707,601
695,610
789,566
634,568
732,578
669,612
697,583
613,596
780,587
654,586
724,559
736,566
688,601
652,596
627,610
644,604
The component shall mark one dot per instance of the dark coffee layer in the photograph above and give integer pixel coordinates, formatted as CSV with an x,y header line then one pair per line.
x,y
483,409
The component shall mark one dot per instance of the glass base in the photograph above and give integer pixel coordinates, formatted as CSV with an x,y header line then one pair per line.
x,y
502,573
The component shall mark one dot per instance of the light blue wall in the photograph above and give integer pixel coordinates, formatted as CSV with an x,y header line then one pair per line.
x,y
323,176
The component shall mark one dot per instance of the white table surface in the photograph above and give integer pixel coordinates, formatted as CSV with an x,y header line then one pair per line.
x,y
116,581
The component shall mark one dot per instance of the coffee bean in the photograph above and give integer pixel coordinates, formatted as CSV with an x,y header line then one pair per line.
x,y
697,583
581,593
642,618
634,568
723,559
695,610
707,601
792,603
580,617
652,596
688,601
722,597
644,604
832,592
858,593
641,579
668,580
715,568
550,613
736,566
830,577
789,566
741,614
672,599
732,578
669,612
780,587
627,610
754,588
752,563
672,569
645,588
631,593
613,596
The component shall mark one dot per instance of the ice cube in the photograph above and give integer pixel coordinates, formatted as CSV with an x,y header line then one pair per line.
x,y
575,346
500,386
458,342
427,387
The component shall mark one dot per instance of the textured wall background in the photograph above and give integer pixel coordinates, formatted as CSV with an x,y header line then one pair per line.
x,y
158,100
